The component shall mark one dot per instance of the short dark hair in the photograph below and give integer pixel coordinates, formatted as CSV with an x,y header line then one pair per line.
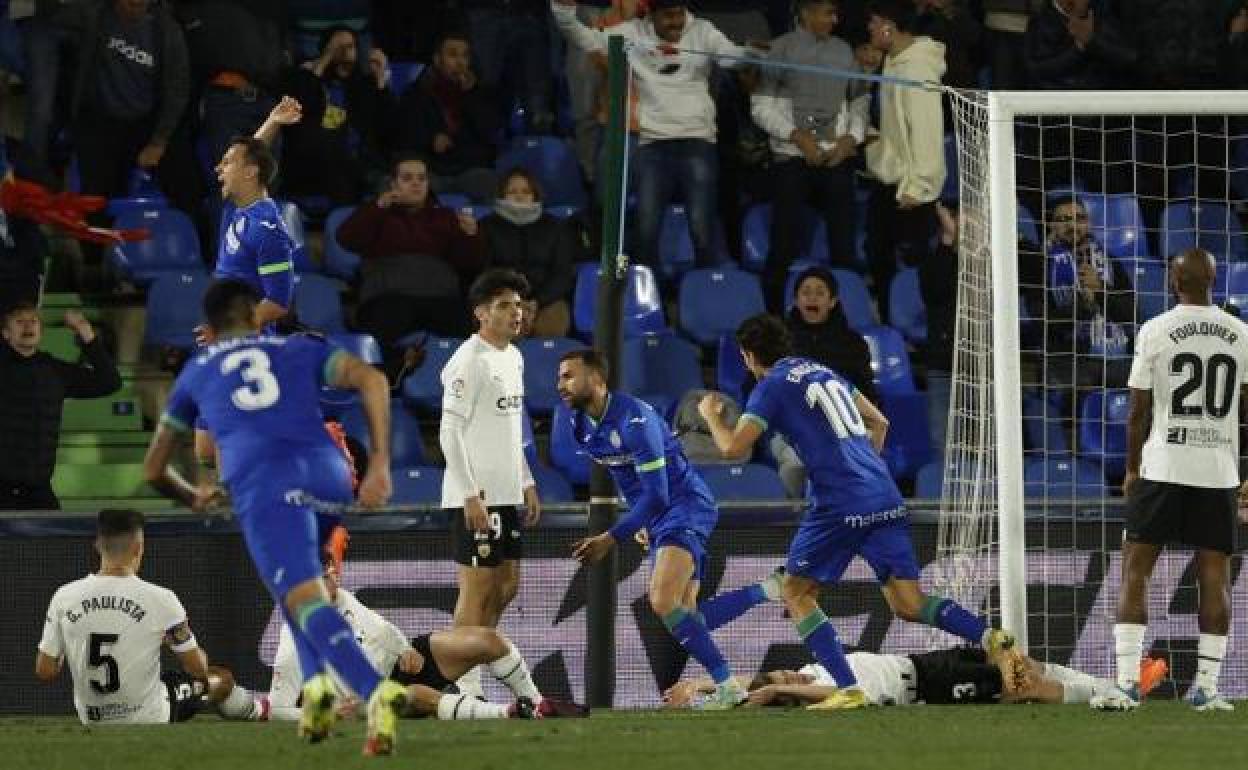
x,y
900,12
258,154
590,359
449,35
821,273
765,337
20,306
328,33
229,302
491,283
113,522
526,175
407,157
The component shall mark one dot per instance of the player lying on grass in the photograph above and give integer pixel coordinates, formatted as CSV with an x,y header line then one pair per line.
x,y
960,675
110,626
427,665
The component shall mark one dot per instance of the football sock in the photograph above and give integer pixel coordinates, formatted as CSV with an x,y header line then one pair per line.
x,y
333,638
949,616
240,705
820,638
726,607
1128,645
470,683
512,671
1077,687
693,636
1209,653
309,658
468,707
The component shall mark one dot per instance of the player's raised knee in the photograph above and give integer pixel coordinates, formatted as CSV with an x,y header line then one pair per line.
x,y
663,601
220,683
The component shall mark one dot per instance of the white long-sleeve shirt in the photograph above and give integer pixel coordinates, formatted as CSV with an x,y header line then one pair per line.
x,y
674,97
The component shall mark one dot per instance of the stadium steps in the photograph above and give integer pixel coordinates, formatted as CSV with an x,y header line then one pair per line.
x,y
96,504
100,454
121,483
118,412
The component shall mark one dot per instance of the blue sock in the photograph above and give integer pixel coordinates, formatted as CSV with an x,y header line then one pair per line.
x,y
820,638
335,642
948,615
724,608
309,659
697,641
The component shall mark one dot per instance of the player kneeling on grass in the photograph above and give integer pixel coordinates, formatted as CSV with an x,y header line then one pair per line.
x,y
110,627
958,676
427,665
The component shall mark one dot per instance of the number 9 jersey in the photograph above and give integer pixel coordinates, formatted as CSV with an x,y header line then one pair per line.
x,y
1193,359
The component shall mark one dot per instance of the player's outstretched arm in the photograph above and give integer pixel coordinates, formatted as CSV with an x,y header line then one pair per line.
x,y
874,419
287,112
733,444
163,477
352,373
47,668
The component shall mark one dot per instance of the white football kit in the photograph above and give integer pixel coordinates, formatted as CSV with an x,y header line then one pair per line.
x,y
110,630
887,680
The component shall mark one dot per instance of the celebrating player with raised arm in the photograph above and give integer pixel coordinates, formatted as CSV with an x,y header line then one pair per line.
x,y
1183,442
260,397
110,627
855,506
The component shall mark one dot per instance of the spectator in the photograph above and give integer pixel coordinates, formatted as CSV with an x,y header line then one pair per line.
x,y
521,236
33,387
907,157
449,117
1235,52
938,286
676,156
416,256
741,21
510,38
341,138
816,125
45,35
1005,22
949,22
130,95
586,74
22,250
821,330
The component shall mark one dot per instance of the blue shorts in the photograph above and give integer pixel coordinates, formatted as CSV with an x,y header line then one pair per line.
x,y
823,548
684,527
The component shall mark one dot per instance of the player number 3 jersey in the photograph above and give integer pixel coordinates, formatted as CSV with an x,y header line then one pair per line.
x,y
1194,359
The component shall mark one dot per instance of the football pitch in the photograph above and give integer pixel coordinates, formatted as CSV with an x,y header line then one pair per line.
x,y
1161,735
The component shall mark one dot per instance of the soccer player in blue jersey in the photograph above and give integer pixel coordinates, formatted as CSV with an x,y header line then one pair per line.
x,y
254,245
259,395
855,507
665,495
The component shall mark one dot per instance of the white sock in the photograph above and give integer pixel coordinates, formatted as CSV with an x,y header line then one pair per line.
x,y
1128,647
1209,653
470,683
512,671
240,705
467,707
1077,687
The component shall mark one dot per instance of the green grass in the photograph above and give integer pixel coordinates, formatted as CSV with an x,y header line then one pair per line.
x,y
1162,735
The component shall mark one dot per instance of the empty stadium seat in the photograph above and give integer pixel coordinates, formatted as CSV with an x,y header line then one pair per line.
x,y
417,486
643,306
1103,430
1152,291
908,443
1211,225
1058,476
407,447
541,362
1027,229
292,217
730,371
714,301
565,453
454,201
890,361
743,482
339,262
115,412
659,369
551,485
318,303
423,387
756,237
906,311
173,309
553,162
851,291
118,481
676,255
929,481
172,248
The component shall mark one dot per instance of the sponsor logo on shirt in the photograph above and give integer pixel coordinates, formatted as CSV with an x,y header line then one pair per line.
x,y
128,51
509,404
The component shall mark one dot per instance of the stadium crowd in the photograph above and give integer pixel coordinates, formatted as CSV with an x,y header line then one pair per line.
x,y
439,139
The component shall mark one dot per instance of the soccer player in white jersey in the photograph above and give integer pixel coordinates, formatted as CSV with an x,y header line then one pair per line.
x,y
110,627
487,476
1182,479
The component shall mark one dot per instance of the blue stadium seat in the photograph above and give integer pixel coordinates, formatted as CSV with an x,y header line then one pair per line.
x,y
403,74
714,301
949,192
421,485
133,207
423,387
454,201
929,481
562,212
908,445
173,309
852,292
1233,280
643,306
173,247
659,369
906,311
1042,423
292,217
565,453
890,361
1211,225
1152,291
541,361
1114,220
144,186
1027,229
756,237
743,482
551,485
1058,476
407,448
318,303
339,262
730,371
554,164
676,255
1103,430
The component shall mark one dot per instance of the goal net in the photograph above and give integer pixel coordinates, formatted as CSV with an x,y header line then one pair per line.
x,y
1071,205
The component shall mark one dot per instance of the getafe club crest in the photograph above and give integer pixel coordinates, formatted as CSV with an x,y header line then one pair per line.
x,y
615,439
